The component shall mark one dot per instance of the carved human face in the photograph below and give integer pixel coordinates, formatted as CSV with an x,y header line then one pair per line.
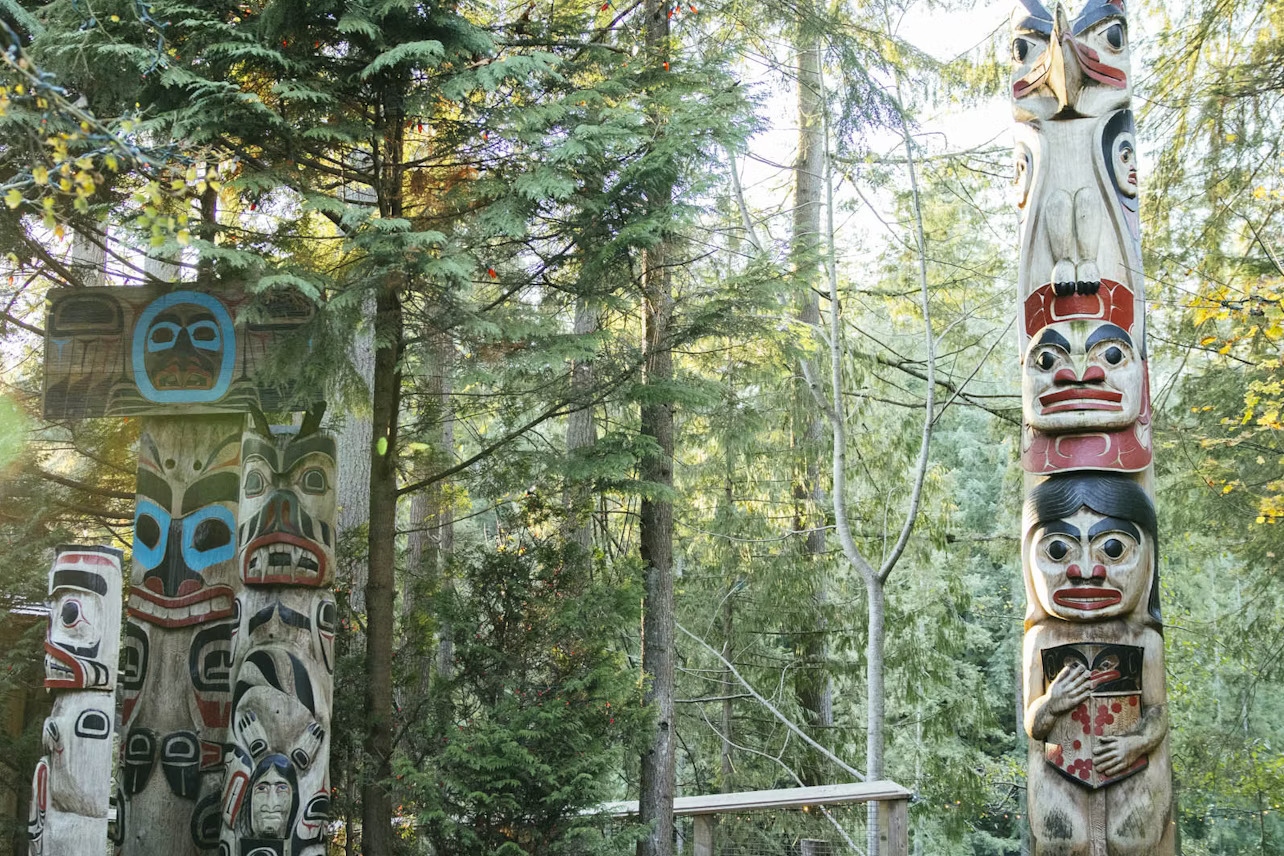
x,y
184,522
270,800
184,349
1089,566
1081,376
84,618
1124,163
287,534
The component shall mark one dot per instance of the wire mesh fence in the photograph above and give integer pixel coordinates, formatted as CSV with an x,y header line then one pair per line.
x,y
838,830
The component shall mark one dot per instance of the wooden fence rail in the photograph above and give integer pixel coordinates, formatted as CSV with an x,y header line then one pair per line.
x,y
892,799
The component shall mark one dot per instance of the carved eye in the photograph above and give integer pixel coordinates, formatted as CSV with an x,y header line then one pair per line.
x,y
70,614
1058,550
1114,548
1045,361
1113,355
211,534
313,481
254,483
1021,49
147,531
1115,36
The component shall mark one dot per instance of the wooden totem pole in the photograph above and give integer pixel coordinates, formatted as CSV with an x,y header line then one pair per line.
x,y
72,784
1100,781
190,363
276,796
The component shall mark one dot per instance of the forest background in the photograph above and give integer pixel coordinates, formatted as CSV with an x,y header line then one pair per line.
x,y
661,448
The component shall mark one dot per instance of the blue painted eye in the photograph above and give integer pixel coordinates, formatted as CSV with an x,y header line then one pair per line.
x,y
205,335
151,531
207,537
162,336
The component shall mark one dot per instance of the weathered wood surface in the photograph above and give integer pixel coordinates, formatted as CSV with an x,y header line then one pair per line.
x,y
856,792
276,792
155,350
176,690
71,788
1099,777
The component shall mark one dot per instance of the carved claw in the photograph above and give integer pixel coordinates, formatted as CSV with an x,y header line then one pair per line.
x,y
306,752
253,737
53,737
1063,289
1087,287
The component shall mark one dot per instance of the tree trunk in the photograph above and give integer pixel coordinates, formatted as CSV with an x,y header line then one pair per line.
x,y
376,801
581,432
656,525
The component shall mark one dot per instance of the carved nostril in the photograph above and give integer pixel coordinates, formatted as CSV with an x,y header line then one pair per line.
x,y
1094,374
1074,572
1064,376
1098,572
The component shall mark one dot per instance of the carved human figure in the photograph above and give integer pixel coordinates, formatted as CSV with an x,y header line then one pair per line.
x,y
176,681
284,644
1095,704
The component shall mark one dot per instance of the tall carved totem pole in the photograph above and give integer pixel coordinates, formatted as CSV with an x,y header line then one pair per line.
x,y
72,784
1100,779
228,649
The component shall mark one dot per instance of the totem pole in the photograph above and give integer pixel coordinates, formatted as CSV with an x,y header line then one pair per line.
x,y
72,784
190,362
1099,776
276,795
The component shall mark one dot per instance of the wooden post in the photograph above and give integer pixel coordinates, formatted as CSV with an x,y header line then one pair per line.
x,y
72,783
893,827
705,828
1099,777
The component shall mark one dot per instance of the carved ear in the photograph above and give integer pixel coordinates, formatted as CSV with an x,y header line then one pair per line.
x,y
312,419
259,418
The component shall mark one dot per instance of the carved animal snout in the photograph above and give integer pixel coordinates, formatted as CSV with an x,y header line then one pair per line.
x,y
1097,572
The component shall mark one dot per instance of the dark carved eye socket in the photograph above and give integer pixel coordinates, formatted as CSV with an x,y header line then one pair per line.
x,y
1058,550
211,534
1045,360
313,481
148,531
254,483
1115,36
1114,355
1114,548
1020,49
70,613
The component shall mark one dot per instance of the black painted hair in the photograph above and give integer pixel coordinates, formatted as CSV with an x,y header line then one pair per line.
x,y
1109,494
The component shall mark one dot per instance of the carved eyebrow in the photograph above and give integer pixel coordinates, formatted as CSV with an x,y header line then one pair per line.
x,y
1052,337
1061,527
1114,524
216,487
322,443
256,446
155,488
1108,331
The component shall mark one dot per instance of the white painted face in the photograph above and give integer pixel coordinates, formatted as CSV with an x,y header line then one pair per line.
x,y
84,618
1124,153
270,805
1081,376
1089,567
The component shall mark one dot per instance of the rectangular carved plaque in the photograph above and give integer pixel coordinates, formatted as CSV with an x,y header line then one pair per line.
x,y
162,350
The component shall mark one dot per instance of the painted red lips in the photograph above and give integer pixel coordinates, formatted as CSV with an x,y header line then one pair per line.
x,y
1081,398
1086,597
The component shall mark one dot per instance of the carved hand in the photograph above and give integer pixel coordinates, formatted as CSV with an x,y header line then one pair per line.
x,y
1072,687
252,735
309,743
1113,755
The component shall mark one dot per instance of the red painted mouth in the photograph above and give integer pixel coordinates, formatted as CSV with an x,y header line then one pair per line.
x,y
1087,598
283,559
1081,398
209,604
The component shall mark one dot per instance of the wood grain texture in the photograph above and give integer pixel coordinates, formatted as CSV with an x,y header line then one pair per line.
x,y
1095,705
155,350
